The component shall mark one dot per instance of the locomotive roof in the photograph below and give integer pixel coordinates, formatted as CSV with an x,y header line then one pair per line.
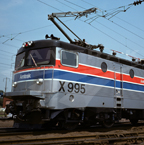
x,y
69,46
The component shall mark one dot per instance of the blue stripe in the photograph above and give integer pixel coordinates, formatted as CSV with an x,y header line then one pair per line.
x,y
64,75
82,78
133,86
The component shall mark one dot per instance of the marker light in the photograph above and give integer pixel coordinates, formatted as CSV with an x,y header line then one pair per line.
x,y
14,84
39,81
27,44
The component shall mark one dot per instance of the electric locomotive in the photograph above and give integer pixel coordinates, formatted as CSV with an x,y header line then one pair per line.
x,y
65,84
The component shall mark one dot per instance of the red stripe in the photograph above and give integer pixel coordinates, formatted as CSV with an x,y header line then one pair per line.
x,y
86,69
89,70
98,72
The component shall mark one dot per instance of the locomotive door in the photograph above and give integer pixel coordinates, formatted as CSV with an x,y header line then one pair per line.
x,y
118,85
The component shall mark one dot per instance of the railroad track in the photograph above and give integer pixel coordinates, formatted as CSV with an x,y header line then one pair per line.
x,y
110,138
121,134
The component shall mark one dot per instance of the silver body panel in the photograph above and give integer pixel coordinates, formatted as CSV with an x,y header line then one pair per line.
x,y
101,91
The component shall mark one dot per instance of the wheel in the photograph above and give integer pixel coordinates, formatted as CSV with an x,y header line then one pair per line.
x,y
107,123
60,124
134,121
70,125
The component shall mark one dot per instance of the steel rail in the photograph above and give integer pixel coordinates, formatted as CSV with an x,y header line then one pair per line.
x,y
132,137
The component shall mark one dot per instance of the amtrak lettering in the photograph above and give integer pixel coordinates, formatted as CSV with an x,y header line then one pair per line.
x,y
25,76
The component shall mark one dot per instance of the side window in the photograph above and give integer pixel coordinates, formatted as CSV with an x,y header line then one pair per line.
x,y
131,73
104,67
69,59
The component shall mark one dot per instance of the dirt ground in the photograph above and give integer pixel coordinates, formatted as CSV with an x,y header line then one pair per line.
x,y
4,124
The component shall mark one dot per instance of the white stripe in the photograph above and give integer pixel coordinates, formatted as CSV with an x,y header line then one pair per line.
x,y
96,85
84,74
133,90
84,83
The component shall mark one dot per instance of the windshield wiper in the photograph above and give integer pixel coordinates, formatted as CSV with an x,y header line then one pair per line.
x,y
33,60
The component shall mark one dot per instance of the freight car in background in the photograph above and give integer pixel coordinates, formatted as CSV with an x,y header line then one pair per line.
x,y
64,84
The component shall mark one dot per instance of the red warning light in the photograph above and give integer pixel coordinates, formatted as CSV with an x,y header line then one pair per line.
x,y
27,44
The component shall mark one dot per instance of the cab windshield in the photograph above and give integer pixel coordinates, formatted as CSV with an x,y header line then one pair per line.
x,y
20,60
38,57
33,58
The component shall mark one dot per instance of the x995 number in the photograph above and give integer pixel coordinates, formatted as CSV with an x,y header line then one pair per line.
x,y
73,87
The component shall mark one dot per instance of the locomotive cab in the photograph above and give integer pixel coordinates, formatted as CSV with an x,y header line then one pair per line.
x,y
32,79
30,67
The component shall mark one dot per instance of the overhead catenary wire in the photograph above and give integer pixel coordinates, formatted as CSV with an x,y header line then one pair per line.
x,y
25,31
49,5
4,68
47,26
120,34
43,26
7,55
130,24
116,40
106,26
4,58
120,19
9,45
74,4
6,51
66,5
113,38
125,29
119,41
5,64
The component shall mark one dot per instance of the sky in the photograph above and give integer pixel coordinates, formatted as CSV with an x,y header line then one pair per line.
x,y
26,20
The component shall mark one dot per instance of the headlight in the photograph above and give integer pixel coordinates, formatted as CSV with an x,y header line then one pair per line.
x,y
14,84
39,81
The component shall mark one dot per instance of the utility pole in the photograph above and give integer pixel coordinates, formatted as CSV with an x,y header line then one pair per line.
x,y
6,83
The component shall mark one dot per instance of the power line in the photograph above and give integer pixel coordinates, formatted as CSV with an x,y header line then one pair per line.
x,y
66,5
4,58
115,39
5,64
126,29
111,37
49,5
6,51
115,22
4,68
8,55
9,45
31,29
105,25
74,4
129,23
90,4
120,34
26,31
